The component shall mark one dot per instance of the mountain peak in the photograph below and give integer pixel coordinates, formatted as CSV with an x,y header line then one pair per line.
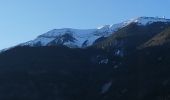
x,y
104,27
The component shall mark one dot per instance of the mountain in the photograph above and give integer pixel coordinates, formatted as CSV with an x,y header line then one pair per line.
x,y
80,38
129,60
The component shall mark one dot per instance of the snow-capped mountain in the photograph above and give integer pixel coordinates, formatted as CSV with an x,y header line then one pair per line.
x,y
72,37
80,38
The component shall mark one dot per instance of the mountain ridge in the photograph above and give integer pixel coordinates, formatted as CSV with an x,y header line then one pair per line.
x,y
80,38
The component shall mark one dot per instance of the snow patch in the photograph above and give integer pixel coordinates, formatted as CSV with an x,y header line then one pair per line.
x,y
104,61
106,87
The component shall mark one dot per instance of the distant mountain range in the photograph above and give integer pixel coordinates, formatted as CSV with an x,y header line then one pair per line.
x,y
125,61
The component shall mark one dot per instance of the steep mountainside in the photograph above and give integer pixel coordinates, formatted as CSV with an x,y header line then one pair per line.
x,y
160,39
42,73
129,38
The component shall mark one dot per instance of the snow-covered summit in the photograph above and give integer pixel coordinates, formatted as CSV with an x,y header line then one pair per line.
x,y
78,38
147,20
69,37
75,38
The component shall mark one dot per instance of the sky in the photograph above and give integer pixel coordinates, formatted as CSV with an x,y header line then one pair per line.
x,y
23,20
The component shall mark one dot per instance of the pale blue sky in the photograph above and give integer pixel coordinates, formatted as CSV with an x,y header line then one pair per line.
x,y
23,20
